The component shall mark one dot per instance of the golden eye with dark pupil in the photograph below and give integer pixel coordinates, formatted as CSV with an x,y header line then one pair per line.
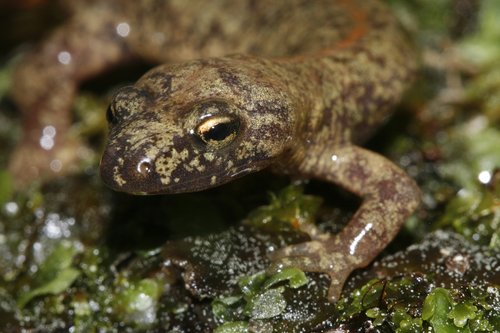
x,y
218,130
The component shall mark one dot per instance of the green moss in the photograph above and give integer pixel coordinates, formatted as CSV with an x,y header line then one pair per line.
x,y
483,47
399,310
55,274
261,296
476,215
90,118
384,301
252,284
5,74
446,315
6,188
430,18
290,208
473,161
295,277
404,322
136,302
267,304
235,327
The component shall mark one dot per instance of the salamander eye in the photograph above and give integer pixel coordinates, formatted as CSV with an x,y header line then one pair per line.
x,y
217,131
127,102
111,114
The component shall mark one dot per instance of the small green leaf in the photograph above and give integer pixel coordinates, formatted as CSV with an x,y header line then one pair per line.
x,y
436,307
269,304
377,315
438,299
296,278
222,307
137,301
251,284
54,275
461,313
410,325
59,284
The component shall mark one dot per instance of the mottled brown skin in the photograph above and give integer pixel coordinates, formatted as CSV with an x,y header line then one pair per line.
x,y
249,84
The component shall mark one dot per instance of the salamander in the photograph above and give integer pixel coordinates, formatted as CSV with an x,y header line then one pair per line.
x,y
291,85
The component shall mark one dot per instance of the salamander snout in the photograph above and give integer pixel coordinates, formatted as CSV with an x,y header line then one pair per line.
x,y
132,174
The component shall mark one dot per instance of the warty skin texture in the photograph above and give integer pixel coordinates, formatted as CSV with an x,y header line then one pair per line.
x,y
289,84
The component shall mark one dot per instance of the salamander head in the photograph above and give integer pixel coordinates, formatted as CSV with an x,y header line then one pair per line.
x,y
184,128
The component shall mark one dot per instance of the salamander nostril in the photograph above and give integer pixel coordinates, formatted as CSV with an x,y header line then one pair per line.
x,y
144,167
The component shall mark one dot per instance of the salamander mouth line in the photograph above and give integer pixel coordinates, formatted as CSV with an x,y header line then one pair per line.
x,y
185,184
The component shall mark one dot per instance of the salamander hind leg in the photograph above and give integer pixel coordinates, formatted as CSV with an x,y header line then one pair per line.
x,y
389,198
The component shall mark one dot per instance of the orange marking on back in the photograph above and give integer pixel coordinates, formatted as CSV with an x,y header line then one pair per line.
x,y
360,29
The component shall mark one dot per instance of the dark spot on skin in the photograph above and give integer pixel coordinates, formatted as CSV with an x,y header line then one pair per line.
x,y
366,98
229,78
356,173
268,132
232,81
386,189
327,113
160,84
180,144
271,107
215,28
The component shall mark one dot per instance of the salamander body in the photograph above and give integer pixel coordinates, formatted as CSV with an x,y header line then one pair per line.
x,y
289,84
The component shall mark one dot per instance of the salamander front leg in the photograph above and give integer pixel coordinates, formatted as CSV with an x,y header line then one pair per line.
x,y
389,198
